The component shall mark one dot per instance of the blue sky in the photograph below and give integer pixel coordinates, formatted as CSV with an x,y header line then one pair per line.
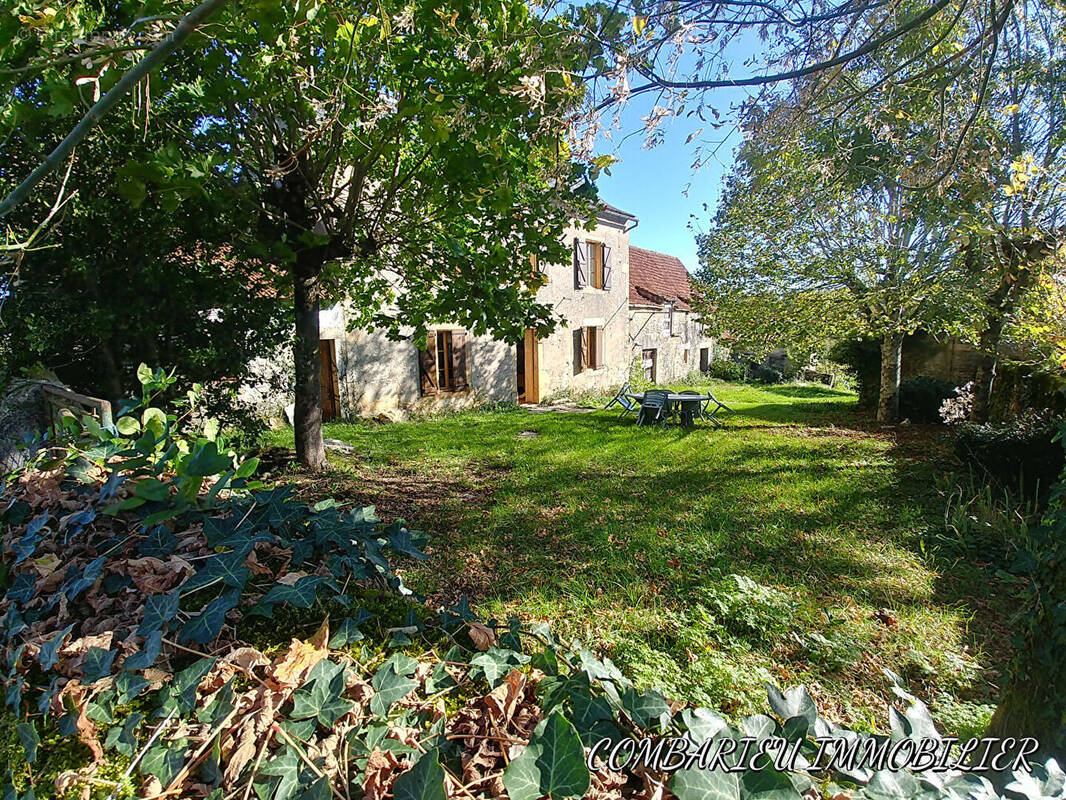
x,y
659,186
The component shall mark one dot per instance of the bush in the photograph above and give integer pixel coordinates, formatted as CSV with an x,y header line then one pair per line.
x,y
1021,455
920,398
862,358
764,374
727,371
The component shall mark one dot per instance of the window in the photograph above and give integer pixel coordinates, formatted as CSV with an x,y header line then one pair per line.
x,y
647,363
592,265
668,319
442,365
684,356
588,349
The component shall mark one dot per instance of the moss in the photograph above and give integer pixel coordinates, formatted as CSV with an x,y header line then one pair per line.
x,y
57,754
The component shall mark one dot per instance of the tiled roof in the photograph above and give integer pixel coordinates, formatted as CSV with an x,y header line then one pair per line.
x,y
656,278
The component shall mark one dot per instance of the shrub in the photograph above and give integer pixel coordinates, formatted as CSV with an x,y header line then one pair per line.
x,y
727,371
862,358
1020,455
764,374
921,397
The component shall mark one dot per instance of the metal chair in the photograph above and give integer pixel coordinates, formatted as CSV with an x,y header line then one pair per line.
x,y
654,408
623,399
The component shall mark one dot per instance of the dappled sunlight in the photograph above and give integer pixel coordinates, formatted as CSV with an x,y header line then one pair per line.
x,y
627,538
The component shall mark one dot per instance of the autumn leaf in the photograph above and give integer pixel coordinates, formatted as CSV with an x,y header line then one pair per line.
x,y
481,635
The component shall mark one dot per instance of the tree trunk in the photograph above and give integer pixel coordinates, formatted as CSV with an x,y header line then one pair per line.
x,y
891,361
985,375
307,416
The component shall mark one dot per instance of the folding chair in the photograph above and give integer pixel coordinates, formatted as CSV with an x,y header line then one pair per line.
x,y
623,399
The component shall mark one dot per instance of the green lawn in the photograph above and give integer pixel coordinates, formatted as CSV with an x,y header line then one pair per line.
x,y
786,547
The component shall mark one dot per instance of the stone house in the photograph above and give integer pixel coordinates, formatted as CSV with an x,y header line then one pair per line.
x,y
365,372
668,341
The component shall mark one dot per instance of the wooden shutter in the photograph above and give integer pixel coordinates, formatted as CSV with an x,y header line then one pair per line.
x,y
459,378
427,365
581,264
606,267
580,348
599,347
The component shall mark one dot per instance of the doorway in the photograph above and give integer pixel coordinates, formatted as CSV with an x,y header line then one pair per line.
x,y
528,375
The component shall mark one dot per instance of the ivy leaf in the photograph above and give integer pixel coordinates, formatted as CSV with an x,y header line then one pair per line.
x,y
159,543
206,626
319,790
495,664
648,709
705,784
158,610
97,664
321,696
389,686
129,686
29,738
794,702
225,567
424,781
702,724
49,652
553,764
769,784
163,761
123,738
183,686
401,542
300,594
346,633
149,652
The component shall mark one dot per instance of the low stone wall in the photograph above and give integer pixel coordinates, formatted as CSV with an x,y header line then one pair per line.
x,y
21,421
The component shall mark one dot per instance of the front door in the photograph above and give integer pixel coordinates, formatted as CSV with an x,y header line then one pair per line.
x,y
528,369
327,379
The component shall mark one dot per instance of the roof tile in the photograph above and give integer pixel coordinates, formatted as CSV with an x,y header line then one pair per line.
x,y
656,278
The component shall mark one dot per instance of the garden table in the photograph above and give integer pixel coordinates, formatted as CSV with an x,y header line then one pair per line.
x,y
675,398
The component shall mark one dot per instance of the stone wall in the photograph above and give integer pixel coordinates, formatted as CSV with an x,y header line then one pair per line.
x,y
676,355
951,360
588,307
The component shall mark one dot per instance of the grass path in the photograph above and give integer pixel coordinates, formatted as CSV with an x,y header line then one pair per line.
x,y
786,547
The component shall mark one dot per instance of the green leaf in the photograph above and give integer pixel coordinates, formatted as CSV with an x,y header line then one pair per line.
x,y
705,784
648,709
424,781
152,489
496,664
164,761
321,696
206,461
128,426
206,626
29,738
158,610
144,374
795,702
767,784
97,664
48,655
388,688
300,594
183,686
123,738
553,764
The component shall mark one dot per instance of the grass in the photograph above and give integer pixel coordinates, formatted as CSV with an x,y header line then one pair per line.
x,y
788,547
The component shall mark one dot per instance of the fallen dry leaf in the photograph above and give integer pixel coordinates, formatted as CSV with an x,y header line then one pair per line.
x,y
482,636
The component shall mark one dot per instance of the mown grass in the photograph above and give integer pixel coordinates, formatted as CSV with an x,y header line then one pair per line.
x,y
788,547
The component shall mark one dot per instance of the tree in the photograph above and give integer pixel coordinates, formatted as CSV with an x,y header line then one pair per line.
x,y
407,157
125,277
861,256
